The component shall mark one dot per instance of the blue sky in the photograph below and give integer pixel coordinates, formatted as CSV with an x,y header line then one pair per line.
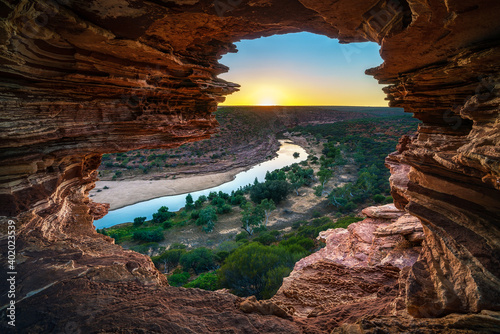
x,y
303,69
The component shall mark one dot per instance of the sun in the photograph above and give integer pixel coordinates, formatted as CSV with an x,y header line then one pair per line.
x,y
267,101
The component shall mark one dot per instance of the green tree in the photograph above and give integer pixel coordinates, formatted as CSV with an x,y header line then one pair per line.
x,y
162,215
169,259
200,260
206,281
266,206
252,216
178,279
207,218
249,269
324,175
148,235
277,190
189,203
138,221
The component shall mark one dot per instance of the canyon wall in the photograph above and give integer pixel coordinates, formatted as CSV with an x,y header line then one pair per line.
x,y
80,78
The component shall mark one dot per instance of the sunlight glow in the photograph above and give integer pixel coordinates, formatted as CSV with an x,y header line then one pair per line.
x,y
303,69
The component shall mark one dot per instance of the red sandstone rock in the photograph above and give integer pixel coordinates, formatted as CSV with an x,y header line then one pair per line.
x,y
82,78
367,255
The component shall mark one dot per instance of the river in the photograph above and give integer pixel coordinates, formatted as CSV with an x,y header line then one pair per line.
x,y
176,202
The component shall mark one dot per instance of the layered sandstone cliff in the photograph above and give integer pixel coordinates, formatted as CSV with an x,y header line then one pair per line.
x,y
361,271
84,77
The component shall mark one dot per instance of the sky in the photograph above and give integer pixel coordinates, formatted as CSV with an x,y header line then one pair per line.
x,y
303,69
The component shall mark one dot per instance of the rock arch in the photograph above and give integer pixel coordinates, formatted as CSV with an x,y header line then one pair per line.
x,y
82,78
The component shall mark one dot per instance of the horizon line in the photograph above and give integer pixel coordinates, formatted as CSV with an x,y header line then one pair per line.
x,y
303,105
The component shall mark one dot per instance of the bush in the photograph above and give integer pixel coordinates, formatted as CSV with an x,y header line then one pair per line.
x,y
227,246
296,225
251,269
169,259
148,235
144,248
200,260
265,238
226,208
344,222
241,236
305,243
206,281
206,216
178,279
276,190
378,198
273,280
162,215
138,221
167,224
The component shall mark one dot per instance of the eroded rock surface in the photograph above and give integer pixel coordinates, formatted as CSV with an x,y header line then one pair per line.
x,y
360,271
81,78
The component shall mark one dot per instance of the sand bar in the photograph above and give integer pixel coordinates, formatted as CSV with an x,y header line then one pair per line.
x,y
123,193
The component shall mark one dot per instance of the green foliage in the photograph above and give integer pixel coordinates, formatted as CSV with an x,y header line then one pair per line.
x,y
138,221
251,269
177,245
178,279
241,236
273,280
225,208
265,238
162,215
252,216
370,182
167,224
296,155
303,242
207,218
265,207
346,221
189,203
145,248
378,198
148,235
200,260
207,281
169,259
276,190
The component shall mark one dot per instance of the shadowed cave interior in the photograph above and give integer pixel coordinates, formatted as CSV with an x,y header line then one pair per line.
x,y
84,78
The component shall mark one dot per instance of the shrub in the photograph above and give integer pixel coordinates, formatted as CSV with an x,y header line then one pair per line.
x,y
251,269
138,221
162,215
167,224
169,259
206,281
178,279
241,236
305,243
277,190
200,260
265,238
344,222
378,198
148,235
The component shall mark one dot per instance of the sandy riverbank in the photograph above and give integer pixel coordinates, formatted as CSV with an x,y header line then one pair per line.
x,y
123,193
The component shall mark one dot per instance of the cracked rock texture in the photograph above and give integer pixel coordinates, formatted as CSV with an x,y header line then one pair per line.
x,y
79,78
361,270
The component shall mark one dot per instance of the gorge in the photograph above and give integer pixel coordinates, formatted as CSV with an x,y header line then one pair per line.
x,y
83,78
